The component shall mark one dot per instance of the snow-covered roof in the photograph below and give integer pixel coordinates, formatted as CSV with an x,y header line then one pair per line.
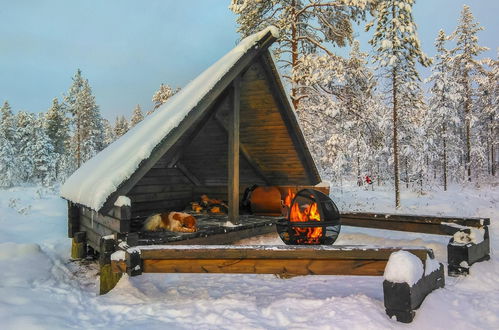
x,y
99,177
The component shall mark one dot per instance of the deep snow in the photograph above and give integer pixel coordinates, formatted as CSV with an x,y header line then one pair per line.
x,y
42,289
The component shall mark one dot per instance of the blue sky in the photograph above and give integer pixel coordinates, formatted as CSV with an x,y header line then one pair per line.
x,y
128,48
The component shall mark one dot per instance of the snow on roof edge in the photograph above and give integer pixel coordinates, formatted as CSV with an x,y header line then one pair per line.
x,y
99,177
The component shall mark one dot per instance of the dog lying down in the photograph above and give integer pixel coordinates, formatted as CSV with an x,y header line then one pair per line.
x,y
173,221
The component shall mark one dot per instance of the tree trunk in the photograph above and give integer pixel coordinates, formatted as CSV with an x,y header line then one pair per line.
x,y
395,142
78,141
444,134
406,163
467,115
294,52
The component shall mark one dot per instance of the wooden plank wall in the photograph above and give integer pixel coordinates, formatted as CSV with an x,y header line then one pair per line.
x,y
161,189
264,132
207,158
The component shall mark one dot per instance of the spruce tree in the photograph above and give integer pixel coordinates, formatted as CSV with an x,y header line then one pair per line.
x,y
9,166
162,95
57,129
467,69
109,136
397,49
443,119
137,116
120,126
25,140
44,156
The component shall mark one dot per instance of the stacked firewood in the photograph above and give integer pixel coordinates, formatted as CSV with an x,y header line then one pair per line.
x,y
209,205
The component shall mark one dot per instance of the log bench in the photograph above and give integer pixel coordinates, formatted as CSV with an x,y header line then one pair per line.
x,y
400,299
460,254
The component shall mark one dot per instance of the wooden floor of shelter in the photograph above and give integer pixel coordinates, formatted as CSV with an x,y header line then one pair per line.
x,y
213,229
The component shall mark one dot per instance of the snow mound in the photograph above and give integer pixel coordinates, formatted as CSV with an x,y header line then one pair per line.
x,y
122,201
23,264
474,236
431,265
99,177
403,267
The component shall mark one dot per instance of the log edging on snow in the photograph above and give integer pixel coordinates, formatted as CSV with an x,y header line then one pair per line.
x,y
401,299
462,256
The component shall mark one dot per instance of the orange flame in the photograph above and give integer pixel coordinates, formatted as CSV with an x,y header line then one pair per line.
x,y
303,213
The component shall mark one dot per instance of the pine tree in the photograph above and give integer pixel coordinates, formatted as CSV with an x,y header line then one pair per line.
x,y
56,127
339,117
397,49
467,69
306,27
9,167
443,119
88,136
137,116
162,95
120,126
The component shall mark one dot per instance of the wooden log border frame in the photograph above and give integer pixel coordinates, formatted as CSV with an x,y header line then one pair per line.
x,y
401,300
460,257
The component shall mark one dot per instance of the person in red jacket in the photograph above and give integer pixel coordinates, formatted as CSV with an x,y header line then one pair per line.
x,y
368,180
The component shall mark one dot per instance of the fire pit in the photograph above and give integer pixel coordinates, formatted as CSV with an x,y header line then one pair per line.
x,y
311,218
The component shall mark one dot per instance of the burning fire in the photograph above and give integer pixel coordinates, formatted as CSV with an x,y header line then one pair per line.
x,y
303,213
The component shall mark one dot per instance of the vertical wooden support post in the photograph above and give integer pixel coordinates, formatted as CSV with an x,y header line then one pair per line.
x,y
233,130
108,279
79,245
73,219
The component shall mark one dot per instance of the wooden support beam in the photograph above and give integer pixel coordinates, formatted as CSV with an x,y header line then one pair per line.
x,y
79,245
411,223
462,221
262,266
244,151
233,161
73,219
188,174
108,279
276,252
283,260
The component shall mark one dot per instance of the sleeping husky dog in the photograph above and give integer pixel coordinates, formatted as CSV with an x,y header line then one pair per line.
x,y
173,221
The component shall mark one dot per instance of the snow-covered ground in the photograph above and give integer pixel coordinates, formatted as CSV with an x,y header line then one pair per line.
x,y
40,288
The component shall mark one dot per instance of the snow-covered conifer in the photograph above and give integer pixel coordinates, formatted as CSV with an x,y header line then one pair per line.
x,y
306,27
87,133
137,116
397,49
57,128
467,69
9,167
163,94
120,126
443,120
25,145
109,136
43,153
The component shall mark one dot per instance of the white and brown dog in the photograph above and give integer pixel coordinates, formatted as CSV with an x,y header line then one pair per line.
x,y
173,221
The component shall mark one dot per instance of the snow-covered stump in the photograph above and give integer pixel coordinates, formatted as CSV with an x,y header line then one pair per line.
x,y
466,247
108,278
407,283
